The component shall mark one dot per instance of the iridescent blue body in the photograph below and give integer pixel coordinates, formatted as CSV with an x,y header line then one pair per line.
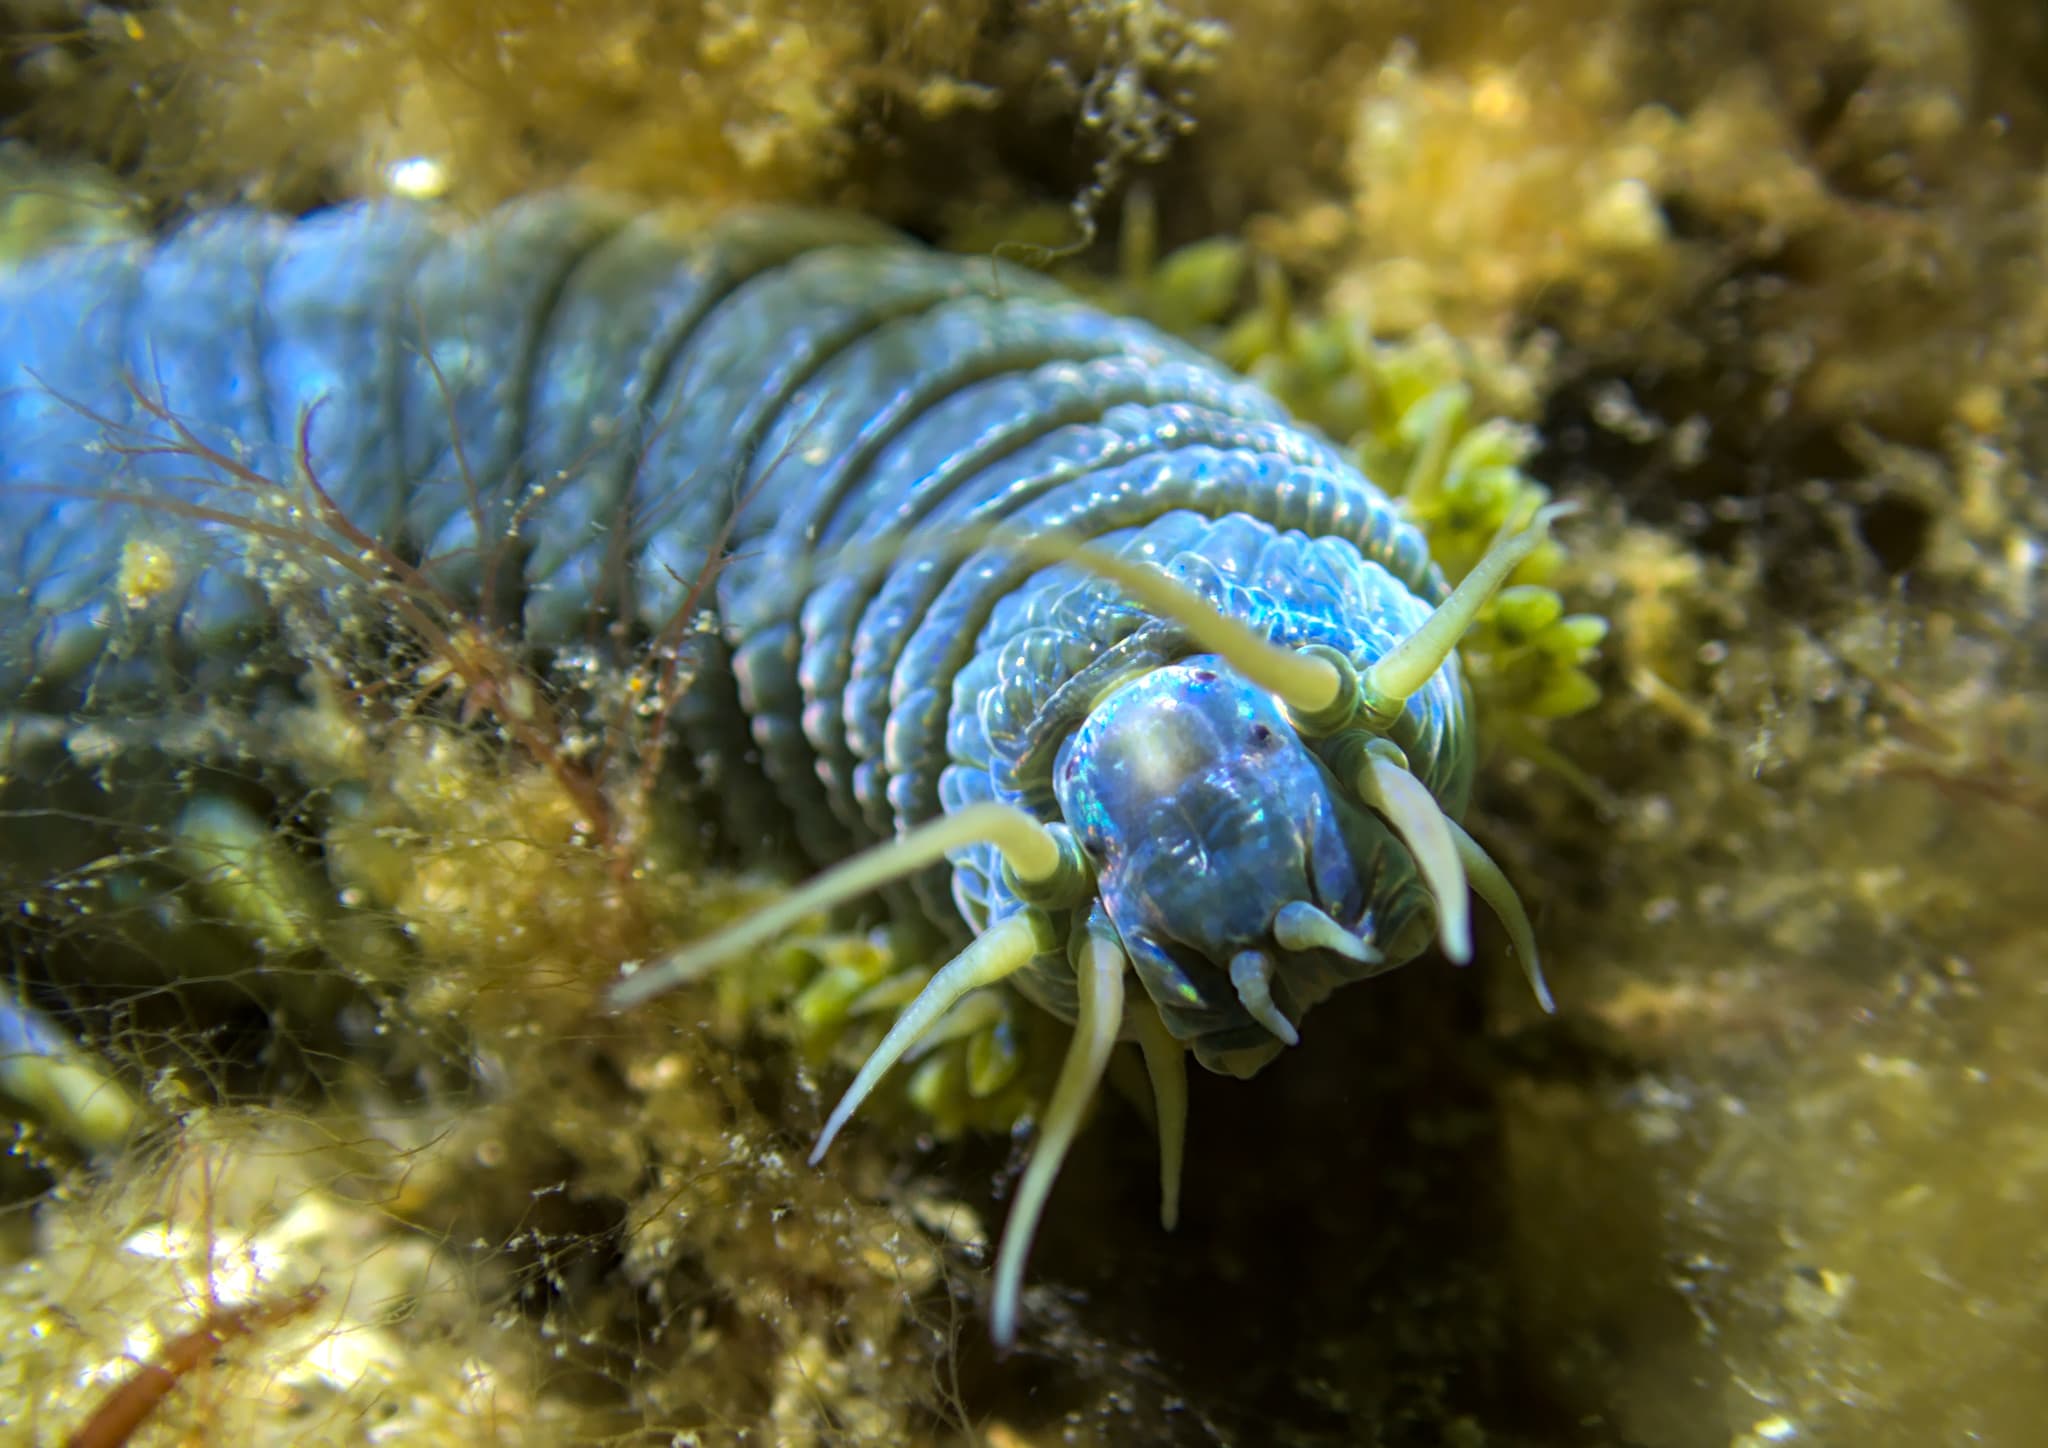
x,y
563,415
615,385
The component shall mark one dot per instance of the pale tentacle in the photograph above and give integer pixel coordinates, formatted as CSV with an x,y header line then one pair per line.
x,y
1401,799
1301,926
1099,972
1302,679
1000,951
973,1014
1036,854
1492,886
1166,1062
1251,975
1411,663
1319,686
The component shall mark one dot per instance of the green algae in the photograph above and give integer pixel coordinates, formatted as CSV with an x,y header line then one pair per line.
x,y
43,205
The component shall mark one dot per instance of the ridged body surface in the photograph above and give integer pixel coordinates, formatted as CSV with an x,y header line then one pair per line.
x,y
571,407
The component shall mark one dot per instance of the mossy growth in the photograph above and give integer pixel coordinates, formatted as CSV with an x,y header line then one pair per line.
x,y
44,205
292,103
834,996
384,1052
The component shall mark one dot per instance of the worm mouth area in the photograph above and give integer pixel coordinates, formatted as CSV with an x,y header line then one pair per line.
x,y
1238,1000
1263,992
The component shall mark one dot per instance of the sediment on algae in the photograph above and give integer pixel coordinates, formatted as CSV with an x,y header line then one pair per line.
x,y
1771,300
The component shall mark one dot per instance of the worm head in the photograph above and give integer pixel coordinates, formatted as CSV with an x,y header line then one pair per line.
x,y
1243,880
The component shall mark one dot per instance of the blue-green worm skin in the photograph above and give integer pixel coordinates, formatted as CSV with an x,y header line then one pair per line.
x,y
576,397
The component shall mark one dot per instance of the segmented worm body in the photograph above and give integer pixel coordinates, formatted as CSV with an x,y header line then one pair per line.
x,y
571,409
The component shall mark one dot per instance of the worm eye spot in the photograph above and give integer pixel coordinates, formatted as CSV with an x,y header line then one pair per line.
x,y
1262,737
1204,676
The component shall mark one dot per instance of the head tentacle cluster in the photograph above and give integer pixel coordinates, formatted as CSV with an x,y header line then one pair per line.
x,y
1241,828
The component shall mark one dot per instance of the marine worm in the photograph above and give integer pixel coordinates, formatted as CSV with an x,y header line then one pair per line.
x,y
1033,610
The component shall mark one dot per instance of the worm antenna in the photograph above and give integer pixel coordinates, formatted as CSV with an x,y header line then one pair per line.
x,y
1001,950
1306,681
1301,926
1099,970
1035,855
1401,799
1166,1062
1492,886
1251,973
1316,684
1411,663
976,1012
